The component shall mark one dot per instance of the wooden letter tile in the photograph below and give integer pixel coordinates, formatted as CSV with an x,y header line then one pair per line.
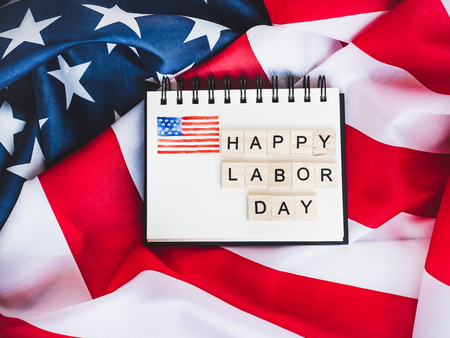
x,y
280,175
301,143
259,208
233,174
257,175
255,142
232,143
324,143
278,143
283,208
326,175
302,175
306,208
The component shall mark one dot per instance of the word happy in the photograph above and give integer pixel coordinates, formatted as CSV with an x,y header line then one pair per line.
x,y
277,143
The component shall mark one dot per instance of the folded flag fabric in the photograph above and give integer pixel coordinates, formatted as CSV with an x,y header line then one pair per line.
x,y
73,80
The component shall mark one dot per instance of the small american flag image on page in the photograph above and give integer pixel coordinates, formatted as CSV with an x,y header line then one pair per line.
x,y
188,135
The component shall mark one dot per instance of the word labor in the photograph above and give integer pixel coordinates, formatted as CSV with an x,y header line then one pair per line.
x,y
279,175
282,208
277,143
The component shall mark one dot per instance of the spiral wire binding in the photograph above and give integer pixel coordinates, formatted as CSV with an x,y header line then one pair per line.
x,y
275,88
243,83
307,88
211,87
195,89
165,85
323,88
180,88
291,97
259,97
227,83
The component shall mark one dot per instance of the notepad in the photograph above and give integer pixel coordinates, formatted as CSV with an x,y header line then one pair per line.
x,y
259,169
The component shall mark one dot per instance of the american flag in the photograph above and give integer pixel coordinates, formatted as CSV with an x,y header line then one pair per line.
x,y
188,134
73,75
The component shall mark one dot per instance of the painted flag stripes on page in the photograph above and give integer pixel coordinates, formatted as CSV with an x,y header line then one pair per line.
x,y
188,135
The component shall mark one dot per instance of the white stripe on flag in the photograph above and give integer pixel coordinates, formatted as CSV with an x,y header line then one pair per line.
x,y
283,51
153,304
387,103
130,134
343,28
432,309
38,271
446,4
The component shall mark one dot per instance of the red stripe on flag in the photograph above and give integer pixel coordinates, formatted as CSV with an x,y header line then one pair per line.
x,y
97,207
288,11
189,140
188,146
420,44
187,151
17,328
199,123
383,180
307,306
200,134
200,117
198,129
235,60
438,258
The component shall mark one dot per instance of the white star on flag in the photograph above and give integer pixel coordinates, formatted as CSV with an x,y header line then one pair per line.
x,y
170,76
10,3
117,15
8,127
70,77
42,121
28,31
111,46
205,28
36,165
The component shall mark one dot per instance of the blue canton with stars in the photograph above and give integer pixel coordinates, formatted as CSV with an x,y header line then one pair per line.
x,y
69,69
169,126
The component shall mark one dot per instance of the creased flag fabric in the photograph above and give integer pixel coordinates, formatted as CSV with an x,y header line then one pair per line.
x,y
73,80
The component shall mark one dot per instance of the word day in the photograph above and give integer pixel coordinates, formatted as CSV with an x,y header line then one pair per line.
x,y
277,143
282,208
